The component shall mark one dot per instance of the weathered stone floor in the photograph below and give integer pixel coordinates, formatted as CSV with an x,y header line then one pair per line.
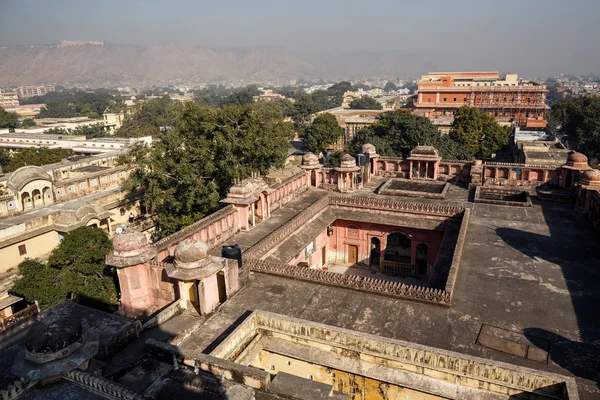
x,y
529,270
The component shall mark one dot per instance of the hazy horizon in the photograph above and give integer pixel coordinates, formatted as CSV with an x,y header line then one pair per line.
x,y
535,38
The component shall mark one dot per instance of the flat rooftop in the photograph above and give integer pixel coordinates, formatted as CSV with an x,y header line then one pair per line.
x,y
515,275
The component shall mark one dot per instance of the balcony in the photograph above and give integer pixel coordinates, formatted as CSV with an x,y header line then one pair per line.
x,y
396,268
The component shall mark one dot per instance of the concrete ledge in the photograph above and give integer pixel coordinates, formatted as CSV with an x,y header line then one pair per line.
x,y
249,376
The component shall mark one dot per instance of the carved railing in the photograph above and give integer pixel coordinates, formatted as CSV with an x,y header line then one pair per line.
x,y
195,227
19,317
396,268
381,204
101,385
517,165
395,289
283,232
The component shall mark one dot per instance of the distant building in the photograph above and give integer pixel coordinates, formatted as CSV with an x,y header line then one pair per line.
x,y
352,121
268,95
30,91
510,100
113,121
25,110
8,98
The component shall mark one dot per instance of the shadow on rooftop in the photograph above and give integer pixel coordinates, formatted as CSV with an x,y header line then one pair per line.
x,y
572,245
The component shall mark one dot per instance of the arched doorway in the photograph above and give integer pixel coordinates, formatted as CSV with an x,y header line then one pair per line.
x,y
374,256
313,178
422,258
398,248
26,201
47,195
37,198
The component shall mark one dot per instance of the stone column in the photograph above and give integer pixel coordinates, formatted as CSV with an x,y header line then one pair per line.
x,y
410,169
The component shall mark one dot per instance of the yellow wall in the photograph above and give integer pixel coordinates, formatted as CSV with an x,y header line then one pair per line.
x,y
37,246
360,387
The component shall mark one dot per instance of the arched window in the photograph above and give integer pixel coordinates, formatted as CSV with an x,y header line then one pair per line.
x,y
398,248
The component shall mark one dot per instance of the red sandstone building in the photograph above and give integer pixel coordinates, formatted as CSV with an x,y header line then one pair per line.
x,y
510,100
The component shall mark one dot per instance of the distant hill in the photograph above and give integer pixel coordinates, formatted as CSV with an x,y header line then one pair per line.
x,y
99,64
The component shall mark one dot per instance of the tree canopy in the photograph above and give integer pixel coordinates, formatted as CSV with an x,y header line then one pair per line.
x,y
365,103
33,156
390,86
28,123
398,132
7,119
75,269
323,132
193,165
478,131
579,119
73,103
151,116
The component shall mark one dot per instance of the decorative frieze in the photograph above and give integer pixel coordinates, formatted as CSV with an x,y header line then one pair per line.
x,y
396,289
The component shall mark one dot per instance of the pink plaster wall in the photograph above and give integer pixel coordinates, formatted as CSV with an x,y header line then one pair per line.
x,y
360,234
314,261
210,298
135,295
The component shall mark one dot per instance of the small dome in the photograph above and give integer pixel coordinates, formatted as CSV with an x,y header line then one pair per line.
x,y
310,159
129,241
190,251
592,175
347,157
369,148
53,334
576,157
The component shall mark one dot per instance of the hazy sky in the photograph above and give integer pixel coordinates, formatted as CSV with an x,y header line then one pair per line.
x,y
528,34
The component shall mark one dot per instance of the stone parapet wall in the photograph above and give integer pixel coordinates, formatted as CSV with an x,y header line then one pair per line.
x,y
102,386
455,367
249,376
372,285
401,206
261,248
457,255
224,216
594,209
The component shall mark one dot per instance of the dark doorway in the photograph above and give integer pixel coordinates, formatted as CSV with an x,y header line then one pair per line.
x,y
374,256
398,248
221,287
323,256
313,178
422,257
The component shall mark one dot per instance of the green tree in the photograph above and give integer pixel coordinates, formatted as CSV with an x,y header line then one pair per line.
x,y
75,269
150,118
28,123
390,86
322,133
365,103
7,119
4,159
303,108
478,131
579,119
193,165
36,156
89,131
398,132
